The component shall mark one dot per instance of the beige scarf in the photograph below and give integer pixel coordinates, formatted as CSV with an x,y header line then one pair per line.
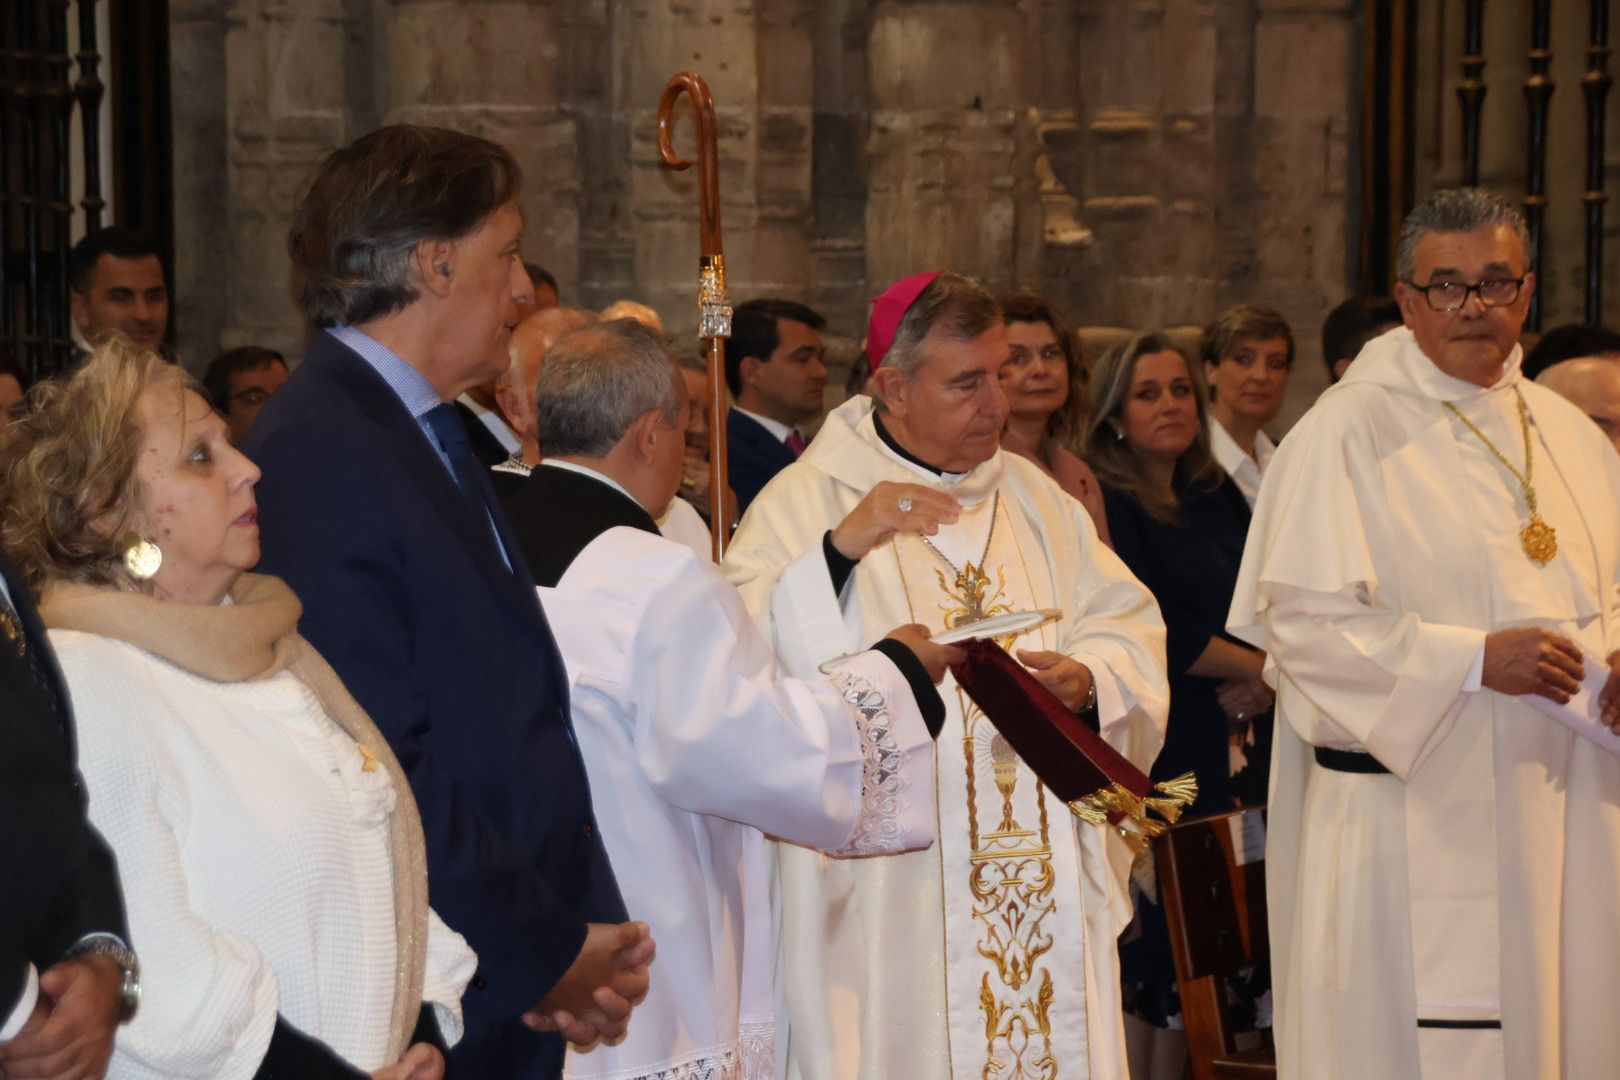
x,y
252,638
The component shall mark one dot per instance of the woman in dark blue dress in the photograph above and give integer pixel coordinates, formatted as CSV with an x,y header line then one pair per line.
x,y
1179,523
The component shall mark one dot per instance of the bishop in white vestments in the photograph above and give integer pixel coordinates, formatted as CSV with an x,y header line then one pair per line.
x,y
1435,550
694,740
993,953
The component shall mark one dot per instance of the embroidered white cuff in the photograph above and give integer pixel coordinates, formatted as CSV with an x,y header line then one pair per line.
x,y
897,773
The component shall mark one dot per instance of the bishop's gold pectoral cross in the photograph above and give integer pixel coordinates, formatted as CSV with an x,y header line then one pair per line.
x,y
973,595
971,582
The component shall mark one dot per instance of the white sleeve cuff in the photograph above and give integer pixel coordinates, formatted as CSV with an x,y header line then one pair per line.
x,y
1114,700
809,623
450,965
24,1007
1476,674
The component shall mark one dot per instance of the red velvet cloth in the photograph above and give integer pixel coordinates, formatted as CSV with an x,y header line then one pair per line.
x,y
1068,756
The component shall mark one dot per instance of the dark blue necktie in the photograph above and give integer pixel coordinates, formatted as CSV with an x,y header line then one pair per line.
x,y
447,426
452,435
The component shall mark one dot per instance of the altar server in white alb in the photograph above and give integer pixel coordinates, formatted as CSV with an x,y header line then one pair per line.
x,y
993,953
1434,555
693,738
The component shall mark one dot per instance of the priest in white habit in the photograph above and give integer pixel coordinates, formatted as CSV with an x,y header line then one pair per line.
x,y
993,953
694,740
1432,565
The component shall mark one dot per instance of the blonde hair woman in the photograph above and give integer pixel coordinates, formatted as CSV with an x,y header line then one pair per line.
x,y
269,848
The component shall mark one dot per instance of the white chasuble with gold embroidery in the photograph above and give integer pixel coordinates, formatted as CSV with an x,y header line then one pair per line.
x,y
993,953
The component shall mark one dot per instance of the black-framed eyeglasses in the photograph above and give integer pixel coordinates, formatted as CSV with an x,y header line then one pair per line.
x,y
1452,295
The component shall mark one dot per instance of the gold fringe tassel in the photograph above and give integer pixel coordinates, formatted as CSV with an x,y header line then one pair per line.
x,y
1133,825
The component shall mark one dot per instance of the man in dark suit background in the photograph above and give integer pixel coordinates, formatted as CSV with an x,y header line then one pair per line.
x,y
775,368
67,975
374,509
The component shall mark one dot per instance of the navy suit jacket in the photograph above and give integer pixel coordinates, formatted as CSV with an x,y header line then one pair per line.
x,y
58,881
754,455
405,594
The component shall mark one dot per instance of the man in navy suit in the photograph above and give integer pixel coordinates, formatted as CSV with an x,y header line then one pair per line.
x,y
374,509
67,975
776,370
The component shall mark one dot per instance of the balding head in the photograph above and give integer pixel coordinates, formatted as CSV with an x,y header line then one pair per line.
x,y
531,341
1592,383
631,309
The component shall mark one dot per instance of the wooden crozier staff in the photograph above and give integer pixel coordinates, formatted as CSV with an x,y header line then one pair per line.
x,y
714,309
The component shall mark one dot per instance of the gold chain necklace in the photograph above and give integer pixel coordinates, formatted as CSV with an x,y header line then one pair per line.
x,y
971,580
1539,539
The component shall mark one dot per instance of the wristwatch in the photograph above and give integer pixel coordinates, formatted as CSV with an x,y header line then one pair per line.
x,y
115,950
1090,704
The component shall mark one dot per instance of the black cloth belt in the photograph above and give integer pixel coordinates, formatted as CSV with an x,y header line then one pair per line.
x,y
1347,760
1462,1025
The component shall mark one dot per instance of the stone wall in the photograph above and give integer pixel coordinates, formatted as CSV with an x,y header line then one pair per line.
x,y
1143,163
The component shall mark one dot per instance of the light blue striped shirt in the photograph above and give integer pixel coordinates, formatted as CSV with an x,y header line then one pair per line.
x,y
419,398
408,384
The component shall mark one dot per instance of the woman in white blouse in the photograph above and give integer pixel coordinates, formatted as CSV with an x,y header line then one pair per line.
x,y
268,845
1248,353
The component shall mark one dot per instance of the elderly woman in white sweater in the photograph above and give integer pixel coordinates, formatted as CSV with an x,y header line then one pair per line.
x,y
269,848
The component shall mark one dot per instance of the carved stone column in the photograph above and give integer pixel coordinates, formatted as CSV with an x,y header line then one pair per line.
x,y
756,60
949,157
1147,139
285,109
202,247
1303,56
489,67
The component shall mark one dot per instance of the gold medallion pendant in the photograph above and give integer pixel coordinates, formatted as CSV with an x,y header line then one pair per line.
x,y
1540,540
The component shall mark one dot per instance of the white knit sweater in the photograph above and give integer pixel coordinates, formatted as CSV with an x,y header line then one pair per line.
x,y
253,851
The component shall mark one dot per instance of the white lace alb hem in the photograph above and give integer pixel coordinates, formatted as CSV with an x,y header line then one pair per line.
x,y
751,1057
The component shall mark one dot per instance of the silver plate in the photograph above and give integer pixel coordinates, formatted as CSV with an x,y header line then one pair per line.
x,y
1014,622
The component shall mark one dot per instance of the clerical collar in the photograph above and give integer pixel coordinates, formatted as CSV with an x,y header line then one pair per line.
x,y
906,455
586,470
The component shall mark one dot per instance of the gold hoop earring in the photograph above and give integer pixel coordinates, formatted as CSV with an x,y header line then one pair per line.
x,y
142,559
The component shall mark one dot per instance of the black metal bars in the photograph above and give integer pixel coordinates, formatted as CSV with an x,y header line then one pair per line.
x,y
1538,89
1471,90
1595,89
38,102
89,89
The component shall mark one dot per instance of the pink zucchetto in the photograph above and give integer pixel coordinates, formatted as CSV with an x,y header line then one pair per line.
x,y
887,311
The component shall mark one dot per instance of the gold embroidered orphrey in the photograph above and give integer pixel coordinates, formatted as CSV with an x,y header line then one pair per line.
x,y
1539,539
1011,877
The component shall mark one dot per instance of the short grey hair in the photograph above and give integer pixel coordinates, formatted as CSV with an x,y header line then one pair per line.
x,y
954,304
1455,210
596,381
